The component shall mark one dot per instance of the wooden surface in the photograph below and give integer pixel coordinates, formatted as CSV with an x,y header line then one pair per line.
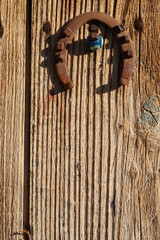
x,y
94,166
95,150
12,112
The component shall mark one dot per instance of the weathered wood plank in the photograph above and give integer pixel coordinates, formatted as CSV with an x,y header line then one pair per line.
x,y
12,107
137,204
94,165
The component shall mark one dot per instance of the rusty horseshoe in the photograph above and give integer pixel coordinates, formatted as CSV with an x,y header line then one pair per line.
x,y
128,52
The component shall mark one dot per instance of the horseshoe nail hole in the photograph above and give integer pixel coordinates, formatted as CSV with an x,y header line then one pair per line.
x,y
101,66
47,27
120,126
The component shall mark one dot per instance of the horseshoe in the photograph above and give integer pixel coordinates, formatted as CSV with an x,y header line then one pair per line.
x,y
128,52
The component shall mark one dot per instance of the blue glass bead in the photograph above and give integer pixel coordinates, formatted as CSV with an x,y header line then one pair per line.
x,y
95,45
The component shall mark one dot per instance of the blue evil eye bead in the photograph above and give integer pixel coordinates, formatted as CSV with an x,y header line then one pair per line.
x,y
96,44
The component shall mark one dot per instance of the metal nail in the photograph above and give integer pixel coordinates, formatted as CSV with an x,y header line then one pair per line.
x,y
138,24
47,27
93,28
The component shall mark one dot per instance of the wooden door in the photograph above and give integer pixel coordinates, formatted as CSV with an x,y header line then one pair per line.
x,y
84,163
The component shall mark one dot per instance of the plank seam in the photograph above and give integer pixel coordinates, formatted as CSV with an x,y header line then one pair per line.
x,y
26,189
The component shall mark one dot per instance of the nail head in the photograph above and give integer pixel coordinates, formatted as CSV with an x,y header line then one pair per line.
x,y
47,27
138,24
93,28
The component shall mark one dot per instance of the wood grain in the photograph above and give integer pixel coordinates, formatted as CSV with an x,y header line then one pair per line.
x,y
12,105
94,162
